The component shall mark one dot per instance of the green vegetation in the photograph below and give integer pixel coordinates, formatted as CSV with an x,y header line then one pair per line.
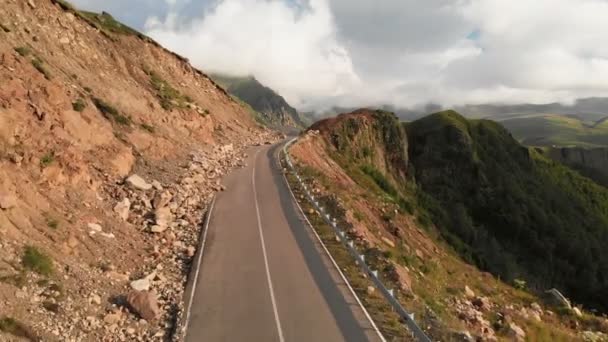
x,y
38,63
47,159
111,113
24,51
148,128
66,6
168,96
509,209
380,310
558,130
106,23
79,105
11,326
52,223
268,107
35,260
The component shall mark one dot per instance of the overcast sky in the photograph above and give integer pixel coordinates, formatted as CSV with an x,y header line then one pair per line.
x,y
320,53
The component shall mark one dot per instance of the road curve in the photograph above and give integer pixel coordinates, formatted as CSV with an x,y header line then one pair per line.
x,y
263,276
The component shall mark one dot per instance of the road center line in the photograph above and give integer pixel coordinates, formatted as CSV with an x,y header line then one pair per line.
x,y
257,210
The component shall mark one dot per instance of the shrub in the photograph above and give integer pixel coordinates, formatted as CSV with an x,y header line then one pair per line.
x,y
12,326
79,105
66,6
39,65
52,223
47,159
37,261
147,127
111,113
519,284
168,96
24,51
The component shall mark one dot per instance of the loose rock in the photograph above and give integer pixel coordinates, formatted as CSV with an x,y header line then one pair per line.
x,y
138,183
144,303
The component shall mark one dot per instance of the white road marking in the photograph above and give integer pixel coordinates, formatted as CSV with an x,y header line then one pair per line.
x,y
198,266
257,210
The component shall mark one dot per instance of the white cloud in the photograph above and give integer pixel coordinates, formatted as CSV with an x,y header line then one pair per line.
x,y
402,52
290,49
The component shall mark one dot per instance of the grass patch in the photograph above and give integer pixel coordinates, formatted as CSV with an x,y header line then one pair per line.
x,y
24,51
168,96
111,113
52,223
79,105
38,63
11,326
148,128
66,6
35,260
47,159
106,23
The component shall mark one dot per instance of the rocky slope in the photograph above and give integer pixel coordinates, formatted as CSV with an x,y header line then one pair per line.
x,y
411,214
111,148
273,110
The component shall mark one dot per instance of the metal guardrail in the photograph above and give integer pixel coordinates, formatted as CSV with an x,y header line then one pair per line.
x,y
360,258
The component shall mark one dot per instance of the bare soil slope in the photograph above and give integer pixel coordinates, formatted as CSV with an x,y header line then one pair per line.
x,y
81,109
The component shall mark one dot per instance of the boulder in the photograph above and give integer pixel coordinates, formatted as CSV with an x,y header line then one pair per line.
x,y
516,333
468,292
401,276
482,303
95,228
158,229
122,209
162,199
141,284
138,183
388,242
144,303
163,217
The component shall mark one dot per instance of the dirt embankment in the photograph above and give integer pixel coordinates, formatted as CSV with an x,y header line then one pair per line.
x,y
80,111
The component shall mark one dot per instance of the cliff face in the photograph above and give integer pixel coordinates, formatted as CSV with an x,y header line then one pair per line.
x,y
85,103
591,162
367,137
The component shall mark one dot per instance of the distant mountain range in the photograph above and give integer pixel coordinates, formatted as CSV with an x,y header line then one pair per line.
x,y
270,107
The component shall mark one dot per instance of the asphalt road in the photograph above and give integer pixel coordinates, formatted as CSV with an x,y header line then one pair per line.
x,y
263,275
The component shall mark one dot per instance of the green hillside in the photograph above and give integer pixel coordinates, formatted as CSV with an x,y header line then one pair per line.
x,y
501,205
273,109
510,210
559,130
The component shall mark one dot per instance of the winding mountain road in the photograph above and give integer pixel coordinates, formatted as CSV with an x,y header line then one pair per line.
x,y
263,275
